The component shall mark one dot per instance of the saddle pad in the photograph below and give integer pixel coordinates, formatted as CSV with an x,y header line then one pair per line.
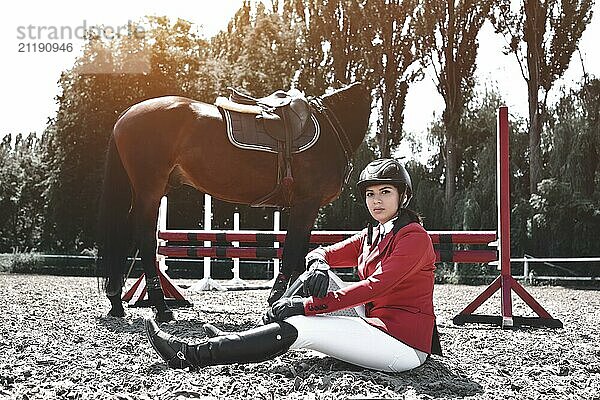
x,y
246,132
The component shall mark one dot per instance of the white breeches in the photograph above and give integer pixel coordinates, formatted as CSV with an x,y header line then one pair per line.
x,y
353,340
347,337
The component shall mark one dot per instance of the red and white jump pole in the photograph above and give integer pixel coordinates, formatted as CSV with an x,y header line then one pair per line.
x,y
505,282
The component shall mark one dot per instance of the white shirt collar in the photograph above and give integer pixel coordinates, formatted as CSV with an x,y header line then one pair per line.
x,y
387,227
383,229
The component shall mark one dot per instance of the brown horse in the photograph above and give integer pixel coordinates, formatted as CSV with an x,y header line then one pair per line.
x,y
163,142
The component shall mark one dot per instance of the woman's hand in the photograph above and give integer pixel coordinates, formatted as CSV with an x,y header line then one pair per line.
x,y
316,284
284,308
317,281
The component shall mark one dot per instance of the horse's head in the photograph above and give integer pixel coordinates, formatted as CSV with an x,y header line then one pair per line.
x,y
351,105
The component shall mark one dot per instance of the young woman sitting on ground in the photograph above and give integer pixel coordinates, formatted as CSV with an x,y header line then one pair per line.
x,y
388,322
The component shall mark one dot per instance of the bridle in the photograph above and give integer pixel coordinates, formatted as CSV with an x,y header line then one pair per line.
x,y
340,133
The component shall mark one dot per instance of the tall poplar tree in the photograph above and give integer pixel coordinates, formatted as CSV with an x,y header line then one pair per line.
x,y
452,29
542,34
373,41
393,53
336,33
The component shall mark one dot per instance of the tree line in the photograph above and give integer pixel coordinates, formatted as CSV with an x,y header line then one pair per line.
x,y
50,183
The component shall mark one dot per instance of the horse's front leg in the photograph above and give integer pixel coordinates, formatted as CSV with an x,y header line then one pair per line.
x,y
302,218
146,218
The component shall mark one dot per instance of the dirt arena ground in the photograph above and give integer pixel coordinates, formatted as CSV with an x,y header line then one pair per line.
x,y
57,343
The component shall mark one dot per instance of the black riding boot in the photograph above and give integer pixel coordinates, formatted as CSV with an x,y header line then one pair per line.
x,y
255,345
212,331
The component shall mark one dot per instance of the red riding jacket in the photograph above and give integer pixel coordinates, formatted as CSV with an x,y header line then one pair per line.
x,y
396,283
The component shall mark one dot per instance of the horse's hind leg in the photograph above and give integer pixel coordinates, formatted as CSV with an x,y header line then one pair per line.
x,y
302,218
146,216
113,285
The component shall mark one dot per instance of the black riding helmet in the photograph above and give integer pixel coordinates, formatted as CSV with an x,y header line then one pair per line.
x,y
385,170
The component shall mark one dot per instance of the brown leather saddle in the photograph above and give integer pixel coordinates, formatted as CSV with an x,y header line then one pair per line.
x,y
282,123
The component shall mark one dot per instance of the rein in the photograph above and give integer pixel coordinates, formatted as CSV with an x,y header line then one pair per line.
x,y
340,133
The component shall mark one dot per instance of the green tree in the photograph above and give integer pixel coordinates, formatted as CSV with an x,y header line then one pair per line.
x,y
542,34
22,192
32,200
258,52
9,193
372,41
567,222
336,34
393,51
428,195
475,197
451,31
566,209
575,140
102,84
348,211
271,53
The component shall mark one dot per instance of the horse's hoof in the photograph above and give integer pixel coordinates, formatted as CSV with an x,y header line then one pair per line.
x,y
164,316
117,312
116,306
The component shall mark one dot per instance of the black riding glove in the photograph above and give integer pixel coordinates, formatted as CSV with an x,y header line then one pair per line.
x,y
316,282
284,308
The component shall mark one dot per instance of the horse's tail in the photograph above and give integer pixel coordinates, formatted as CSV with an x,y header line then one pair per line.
x,y
115,222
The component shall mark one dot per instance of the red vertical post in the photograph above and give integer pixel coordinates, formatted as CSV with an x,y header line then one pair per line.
x,y
503,203
505,282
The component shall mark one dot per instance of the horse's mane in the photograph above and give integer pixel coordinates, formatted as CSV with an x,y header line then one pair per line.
x,y
333,92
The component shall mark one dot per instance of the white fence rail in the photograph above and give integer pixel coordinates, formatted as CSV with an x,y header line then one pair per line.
x,y
528,274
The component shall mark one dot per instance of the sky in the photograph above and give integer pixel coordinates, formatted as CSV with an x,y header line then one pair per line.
x,y
29,79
